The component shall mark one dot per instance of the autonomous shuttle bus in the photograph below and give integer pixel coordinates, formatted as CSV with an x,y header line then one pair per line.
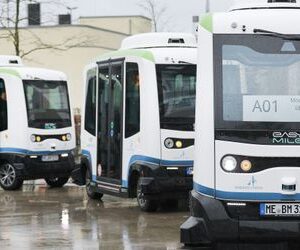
x,y
137,136
36,128
247,161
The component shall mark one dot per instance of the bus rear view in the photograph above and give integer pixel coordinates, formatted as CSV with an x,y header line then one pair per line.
x,y
246,178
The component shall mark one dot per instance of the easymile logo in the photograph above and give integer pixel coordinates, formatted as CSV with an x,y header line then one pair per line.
x,y
286,138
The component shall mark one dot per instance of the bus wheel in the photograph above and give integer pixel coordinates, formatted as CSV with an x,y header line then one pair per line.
x,y
145,205
8,177
57,182
93,195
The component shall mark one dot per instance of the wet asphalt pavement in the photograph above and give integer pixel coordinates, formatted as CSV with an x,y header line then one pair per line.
x,y
41,218
38,217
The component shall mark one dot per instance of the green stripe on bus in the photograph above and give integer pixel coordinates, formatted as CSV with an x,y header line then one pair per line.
x,y
10,72
207,22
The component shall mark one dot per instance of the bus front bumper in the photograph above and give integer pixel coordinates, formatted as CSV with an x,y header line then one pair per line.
x,y
166,187
212,222
34,168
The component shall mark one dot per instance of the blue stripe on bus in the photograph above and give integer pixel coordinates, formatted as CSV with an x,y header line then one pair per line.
x,y
244,196
29,152
145,159
155,161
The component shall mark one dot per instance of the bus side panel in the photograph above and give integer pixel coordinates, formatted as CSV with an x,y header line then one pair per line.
x,y
144,146
88,149
88,141
16,137
204,173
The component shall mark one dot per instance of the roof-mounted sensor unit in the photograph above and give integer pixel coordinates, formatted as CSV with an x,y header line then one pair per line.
x,y
159,40
6,61
282,1
176,40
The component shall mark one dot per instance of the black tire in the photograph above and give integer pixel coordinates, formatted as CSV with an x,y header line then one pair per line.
x,y
9,179
145,205
93,195
57,182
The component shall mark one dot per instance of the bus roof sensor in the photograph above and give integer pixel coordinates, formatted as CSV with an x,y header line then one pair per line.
x,y
9,60
176,40
159,40
282,1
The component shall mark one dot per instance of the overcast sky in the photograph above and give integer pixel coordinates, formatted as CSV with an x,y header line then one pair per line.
x,y
178,13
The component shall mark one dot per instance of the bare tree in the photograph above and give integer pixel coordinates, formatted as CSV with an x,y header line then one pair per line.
x,y
207,6
13,22
156,12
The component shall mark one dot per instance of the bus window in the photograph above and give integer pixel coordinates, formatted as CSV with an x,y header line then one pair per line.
x,y
132,116
47,104
176,89
253,78
3,107
90,106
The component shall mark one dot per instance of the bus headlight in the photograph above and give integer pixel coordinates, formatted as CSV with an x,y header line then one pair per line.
x,y
179,144
69,137
35,138
32,138
169,143
229,163
246,165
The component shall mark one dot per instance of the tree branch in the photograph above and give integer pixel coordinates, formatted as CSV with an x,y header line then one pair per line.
x,y
155,12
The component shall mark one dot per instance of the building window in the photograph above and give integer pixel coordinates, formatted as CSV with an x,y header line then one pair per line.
x,y
3,107
132,116
90,105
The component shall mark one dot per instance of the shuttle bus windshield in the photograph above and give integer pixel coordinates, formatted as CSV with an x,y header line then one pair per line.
x,y
257,82
47,104
177,88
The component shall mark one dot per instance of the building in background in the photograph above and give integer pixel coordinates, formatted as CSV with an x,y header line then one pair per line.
x,y
89,38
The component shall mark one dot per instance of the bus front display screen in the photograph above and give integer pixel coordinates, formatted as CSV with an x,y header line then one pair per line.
x,y
257,81
271,108
47,104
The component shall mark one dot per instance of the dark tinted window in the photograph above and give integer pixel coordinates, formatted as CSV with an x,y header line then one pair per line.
x,y
3,107
90,106
176,89
132,116
47,104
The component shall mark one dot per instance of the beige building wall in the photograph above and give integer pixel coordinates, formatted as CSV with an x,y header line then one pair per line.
x,y
125,24
92,37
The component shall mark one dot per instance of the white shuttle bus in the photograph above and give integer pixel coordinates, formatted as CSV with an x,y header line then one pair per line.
x,y
137,136
37,137
247,139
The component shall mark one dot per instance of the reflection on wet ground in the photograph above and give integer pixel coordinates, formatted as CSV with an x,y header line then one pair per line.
x,y
43,218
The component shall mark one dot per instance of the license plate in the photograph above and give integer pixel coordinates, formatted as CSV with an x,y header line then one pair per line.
x,y
280,209
50,158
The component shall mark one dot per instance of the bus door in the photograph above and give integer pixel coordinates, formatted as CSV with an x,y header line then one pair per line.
x,y
110,117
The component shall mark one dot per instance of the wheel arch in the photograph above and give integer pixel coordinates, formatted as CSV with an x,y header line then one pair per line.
x,y
135,171
85,165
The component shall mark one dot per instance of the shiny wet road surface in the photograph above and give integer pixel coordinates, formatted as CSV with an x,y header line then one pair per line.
x,y
38,217
41,218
